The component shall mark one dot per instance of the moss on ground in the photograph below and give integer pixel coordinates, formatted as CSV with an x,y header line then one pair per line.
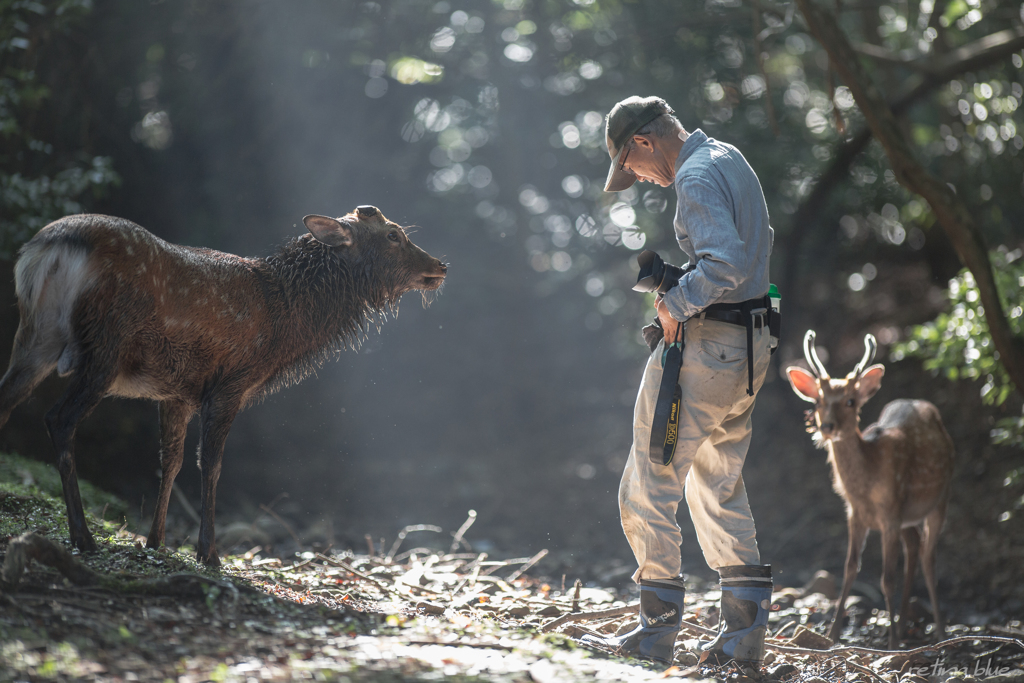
x,y
31,499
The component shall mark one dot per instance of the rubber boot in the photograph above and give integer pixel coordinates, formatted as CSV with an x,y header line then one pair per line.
x,y
661,613
746,600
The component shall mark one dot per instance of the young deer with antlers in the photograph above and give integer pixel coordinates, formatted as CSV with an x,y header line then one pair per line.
x,y
894,476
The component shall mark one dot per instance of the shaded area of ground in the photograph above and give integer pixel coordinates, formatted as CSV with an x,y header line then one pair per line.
x,y
427,610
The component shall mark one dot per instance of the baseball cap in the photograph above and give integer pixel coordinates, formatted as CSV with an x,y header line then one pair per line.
x,y
624,120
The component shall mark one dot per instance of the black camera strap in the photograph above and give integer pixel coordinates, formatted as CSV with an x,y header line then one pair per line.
x,y
665,425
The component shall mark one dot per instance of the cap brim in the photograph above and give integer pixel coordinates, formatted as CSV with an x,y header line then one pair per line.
x,y
618,180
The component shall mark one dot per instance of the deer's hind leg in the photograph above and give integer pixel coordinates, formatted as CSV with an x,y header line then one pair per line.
x,y
890,552
932,526
30,364
174,419
911,538
89,384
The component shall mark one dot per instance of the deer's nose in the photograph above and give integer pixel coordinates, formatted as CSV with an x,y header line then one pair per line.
x,y
827,427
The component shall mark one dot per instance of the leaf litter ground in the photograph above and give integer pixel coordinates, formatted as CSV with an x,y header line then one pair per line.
x,y
421,614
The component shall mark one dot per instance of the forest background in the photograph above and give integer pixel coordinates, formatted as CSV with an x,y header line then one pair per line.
x,y
481,123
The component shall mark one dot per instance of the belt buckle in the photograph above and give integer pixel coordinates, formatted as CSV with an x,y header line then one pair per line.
x,y
761,313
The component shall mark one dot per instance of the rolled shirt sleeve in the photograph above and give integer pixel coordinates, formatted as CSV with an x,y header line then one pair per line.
x,y
721,225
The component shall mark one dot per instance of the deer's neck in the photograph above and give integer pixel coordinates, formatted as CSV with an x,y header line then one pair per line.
x,y
324,302
852,459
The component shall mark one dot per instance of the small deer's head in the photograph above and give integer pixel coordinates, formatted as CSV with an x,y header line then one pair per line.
x,y
837,402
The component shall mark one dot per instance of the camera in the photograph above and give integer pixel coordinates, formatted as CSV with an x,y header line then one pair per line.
x,y
656,275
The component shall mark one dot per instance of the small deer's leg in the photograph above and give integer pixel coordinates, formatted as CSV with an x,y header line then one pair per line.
x,y
858,533
890,551
911,538
932,527
25,372
216,417
87,388
174,418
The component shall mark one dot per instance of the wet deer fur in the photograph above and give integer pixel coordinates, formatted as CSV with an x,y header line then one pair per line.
x,y
124,313
894,476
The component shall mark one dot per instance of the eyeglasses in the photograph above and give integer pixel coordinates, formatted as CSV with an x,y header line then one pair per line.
x,y
622,164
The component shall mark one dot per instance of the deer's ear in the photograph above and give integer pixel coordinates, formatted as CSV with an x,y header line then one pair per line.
x,y
870,382
330,231
804,384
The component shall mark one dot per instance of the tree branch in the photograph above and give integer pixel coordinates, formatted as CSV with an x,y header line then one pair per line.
x,y
950,211
977,55
981,52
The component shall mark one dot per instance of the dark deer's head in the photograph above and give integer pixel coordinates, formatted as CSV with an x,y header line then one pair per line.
x,y
372,241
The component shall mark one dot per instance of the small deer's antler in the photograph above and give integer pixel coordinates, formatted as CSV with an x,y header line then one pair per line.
x,y
870,346
812,357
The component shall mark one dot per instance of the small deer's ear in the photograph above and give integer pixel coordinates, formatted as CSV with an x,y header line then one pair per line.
x,y
804,384
330,231
870,382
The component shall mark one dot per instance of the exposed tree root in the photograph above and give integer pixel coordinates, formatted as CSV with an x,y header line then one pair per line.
x,y
32,546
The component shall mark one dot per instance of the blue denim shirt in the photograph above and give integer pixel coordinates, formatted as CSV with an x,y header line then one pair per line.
x,y
722,226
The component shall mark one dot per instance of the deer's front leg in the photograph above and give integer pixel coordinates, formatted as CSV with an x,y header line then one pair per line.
x,y
858,532
216,417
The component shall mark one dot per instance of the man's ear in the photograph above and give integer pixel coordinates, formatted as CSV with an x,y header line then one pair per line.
x,y
644,142
330,231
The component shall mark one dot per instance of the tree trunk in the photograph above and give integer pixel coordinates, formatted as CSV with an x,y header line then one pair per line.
x,y
950,211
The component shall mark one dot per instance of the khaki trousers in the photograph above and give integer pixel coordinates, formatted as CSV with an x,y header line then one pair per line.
x,y
714,434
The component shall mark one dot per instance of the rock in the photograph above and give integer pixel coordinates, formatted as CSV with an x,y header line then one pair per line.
x,y
626,627
786,597
913,679
430,607
823,582
241,534
900,662
517,611
769,659
782,671
806,638
686,659
549,611
597,596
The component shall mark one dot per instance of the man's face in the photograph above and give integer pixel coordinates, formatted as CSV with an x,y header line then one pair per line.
x,y
647,162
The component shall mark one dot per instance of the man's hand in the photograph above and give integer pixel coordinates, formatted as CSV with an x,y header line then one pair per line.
x,y
669,324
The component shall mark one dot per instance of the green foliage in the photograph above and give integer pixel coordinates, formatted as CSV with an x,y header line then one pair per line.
x,y
958,343
31,499
37,183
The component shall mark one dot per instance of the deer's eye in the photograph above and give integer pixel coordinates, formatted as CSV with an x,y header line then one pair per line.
x,y
393,236
849,402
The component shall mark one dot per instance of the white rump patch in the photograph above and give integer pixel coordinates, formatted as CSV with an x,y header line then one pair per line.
x,y
48,280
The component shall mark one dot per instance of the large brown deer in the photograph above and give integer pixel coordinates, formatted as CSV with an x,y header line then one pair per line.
x,y
124,313
894,476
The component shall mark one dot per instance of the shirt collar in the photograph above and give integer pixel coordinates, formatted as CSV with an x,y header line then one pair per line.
x,y
695,140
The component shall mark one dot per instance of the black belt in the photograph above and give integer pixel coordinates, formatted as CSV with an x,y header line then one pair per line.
x,y
734,317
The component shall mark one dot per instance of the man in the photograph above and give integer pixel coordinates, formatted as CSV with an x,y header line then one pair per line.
x,y
721,225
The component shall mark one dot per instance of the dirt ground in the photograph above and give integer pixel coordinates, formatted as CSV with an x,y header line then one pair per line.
x,y
405,613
